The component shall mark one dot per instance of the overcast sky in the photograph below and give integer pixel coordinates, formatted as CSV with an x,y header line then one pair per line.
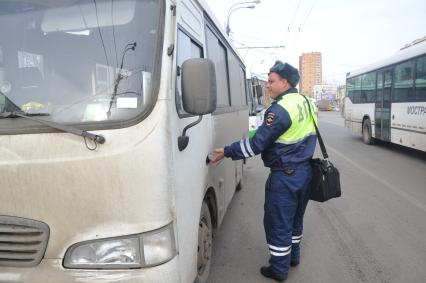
x,y
350,34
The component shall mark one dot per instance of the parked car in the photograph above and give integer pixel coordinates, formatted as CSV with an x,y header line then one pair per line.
x,y
324,105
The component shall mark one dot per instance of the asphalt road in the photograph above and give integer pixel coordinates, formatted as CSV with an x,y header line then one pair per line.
x,y
376,232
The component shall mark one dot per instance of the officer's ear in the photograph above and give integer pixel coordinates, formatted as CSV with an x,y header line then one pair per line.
x,y
285,81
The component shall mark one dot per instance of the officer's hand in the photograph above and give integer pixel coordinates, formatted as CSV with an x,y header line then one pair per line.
x,y
217,155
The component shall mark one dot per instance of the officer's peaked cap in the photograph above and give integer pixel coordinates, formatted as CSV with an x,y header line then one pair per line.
x,y
286,71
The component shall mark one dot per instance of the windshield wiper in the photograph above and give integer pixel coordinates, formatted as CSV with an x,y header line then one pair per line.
x,y
16,114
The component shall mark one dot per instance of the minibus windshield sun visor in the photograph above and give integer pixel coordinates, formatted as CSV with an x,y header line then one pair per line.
x,y
83,62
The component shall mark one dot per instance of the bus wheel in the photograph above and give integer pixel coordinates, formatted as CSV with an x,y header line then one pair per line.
x,y
205,244
366,132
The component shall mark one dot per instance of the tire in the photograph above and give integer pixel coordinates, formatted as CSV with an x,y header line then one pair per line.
x,y
205,244
366,132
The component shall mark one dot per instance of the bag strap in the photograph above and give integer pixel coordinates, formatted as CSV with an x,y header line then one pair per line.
x,y
321,142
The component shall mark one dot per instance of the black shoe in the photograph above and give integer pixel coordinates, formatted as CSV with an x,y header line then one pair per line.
x,y
294,263
267,272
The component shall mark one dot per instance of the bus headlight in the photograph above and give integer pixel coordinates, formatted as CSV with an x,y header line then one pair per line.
x,y
135,251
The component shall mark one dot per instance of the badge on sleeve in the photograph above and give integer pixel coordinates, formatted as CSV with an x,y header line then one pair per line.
x,y
270,118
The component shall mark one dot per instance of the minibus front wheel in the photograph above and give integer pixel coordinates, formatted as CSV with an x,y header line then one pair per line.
x,y
205,244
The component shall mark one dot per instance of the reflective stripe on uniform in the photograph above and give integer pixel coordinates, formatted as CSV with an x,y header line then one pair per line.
x,y
280,254
279,251
250,150
243,149
271,247
296,239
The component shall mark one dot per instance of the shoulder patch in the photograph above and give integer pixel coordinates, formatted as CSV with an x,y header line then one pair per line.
x,y
270,118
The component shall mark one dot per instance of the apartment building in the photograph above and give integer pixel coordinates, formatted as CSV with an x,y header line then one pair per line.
x,y
310,68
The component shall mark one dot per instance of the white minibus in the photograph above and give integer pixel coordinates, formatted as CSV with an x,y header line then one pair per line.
x,y
108,111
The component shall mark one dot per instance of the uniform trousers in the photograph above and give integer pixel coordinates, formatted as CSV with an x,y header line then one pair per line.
x,y
286,198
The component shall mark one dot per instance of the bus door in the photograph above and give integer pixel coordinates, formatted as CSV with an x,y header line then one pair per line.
x,y
383,105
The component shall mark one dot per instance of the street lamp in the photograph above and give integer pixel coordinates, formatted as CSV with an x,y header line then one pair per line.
x,y
245,2
228,29
235,7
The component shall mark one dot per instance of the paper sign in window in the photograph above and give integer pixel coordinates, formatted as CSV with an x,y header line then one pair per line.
x,y
127,102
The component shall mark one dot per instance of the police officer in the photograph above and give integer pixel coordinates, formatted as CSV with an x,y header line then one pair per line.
x,y
286,140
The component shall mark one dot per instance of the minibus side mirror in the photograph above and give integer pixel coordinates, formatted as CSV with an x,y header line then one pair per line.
x,y
198,92
198,86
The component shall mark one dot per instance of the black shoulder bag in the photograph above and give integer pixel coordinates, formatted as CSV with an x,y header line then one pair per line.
x,y
325,183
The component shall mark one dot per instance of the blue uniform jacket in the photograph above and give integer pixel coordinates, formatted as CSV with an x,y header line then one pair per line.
x,y
277,156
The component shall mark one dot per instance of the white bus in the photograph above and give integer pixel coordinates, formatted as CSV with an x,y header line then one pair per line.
x,y
106,120
387,100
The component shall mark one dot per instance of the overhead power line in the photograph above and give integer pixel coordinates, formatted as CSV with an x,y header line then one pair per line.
x,y
301,27
293,18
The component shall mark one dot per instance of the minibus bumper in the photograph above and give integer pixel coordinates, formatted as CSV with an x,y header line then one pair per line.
x,y
52,271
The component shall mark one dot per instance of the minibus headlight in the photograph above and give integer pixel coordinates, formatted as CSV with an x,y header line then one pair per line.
x,y
158,246
106,253
135,251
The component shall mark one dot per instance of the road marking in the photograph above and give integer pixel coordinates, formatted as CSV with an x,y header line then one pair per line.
x,y
400,192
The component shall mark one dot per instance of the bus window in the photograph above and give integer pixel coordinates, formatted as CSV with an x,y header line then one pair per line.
x,y
387,88
368,87
236,82
379,95
243,87
421,79
403,86
216,52
357,90
186,49
350,88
